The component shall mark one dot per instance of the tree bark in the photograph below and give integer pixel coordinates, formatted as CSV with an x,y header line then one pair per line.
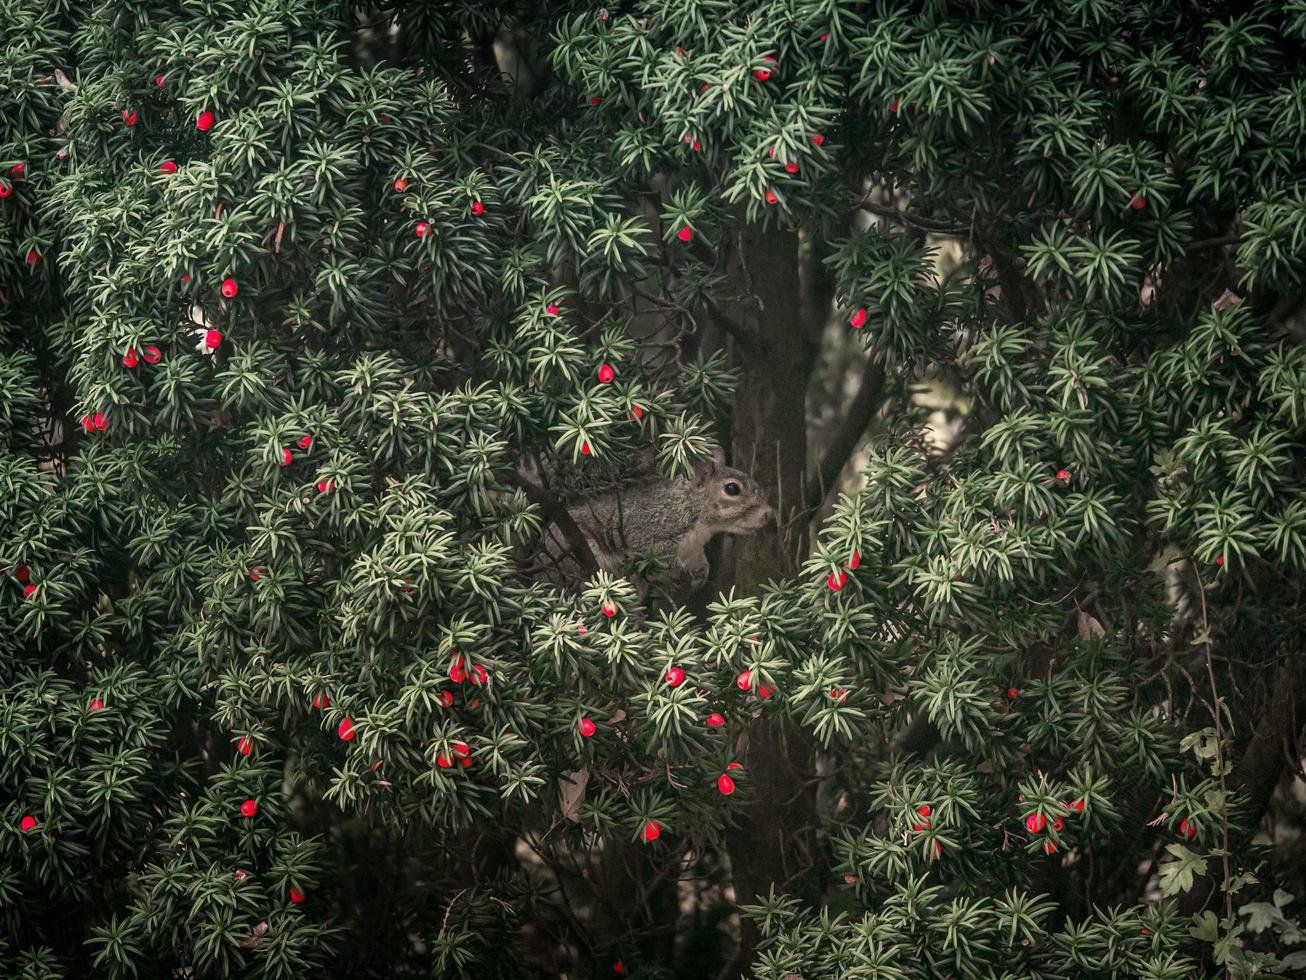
x,y
775,841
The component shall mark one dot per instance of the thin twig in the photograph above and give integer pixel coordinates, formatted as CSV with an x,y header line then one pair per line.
x,y
1209,243
1219,758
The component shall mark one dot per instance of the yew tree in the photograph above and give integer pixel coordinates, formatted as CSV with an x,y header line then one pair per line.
x,y
1000,303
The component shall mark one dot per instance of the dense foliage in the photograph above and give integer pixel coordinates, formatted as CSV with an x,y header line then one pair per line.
x,y
288,289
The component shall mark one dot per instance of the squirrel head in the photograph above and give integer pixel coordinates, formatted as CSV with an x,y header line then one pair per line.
x,y
730,499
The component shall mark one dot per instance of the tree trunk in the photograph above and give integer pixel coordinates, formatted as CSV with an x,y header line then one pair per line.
x,y
775,840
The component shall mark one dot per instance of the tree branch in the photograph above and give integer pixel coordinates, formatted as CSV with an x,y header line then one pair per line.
x,y
559,515
1209,243
867,401
914,220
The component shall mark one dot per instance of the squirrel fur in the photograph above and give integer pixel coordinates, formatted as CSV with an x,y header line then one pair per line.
x,y
674,518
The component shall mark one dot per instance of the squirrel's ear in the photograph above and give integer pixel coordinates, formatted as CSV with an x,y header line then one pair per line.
x,y
703,469
718,457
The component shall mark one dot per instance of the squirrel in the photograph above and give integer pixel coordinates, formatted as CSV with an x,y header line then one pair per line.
x,y
674,518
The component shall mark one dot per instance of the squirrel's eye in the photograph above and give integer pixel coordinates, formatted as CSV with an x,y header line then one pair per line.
x,y
732,489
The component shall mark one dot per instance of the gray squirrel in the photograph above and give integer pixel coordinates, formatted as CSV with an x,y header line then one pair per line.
x,y
672,518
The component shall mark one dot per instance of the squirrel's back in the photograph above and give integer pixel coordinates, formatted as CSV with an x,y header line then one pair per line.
x,y
648,512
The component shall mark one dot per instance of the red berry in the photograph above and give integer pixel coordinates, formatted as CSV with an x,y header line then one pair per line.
x,y
185,277
152,354
346,730
1186,828
168,167
836,584
479,674
286,457
205,121
1035,823
893,106
96,705
770,197
765,692
619,968
321,701
422,228
306,441
924,810
457,672
551,309
854,561
715,720
1063,475
1139,202
595,100
461,749
725,784
1078,805
22,573
158,81
100,420
636,413
651,831
33,258
675,676
858,319
585,449
838,694
1219,559
245,745
762,74
18,169
745,680
791,168
323,486
1058,824
445,698
1013,693
478,208
401,185
27,823
248,808
734,765
444,762
609,608
1049,847
586,727
296,895
129,117
606,374
212,339
129,359
5,189
817,139
229,287
28,590
87,424
685,234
